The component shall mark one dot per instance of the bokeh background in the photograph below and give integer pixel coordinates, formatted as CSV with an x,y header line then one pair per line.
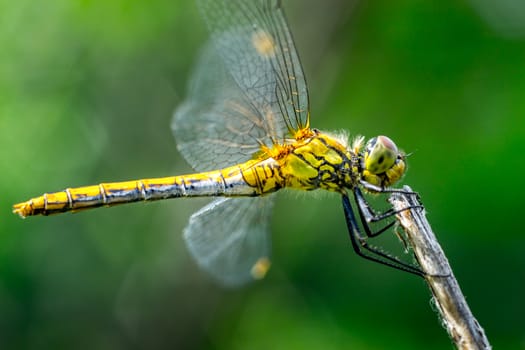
x,y
87,90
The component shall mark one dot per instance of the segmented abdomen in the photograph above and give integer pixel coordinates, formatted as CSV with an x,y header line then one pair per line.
x,y
252,178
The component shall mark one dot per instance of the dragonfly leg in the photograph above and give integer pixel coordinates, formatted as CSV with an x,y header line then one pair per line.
x,y
368,215
363,249
378,189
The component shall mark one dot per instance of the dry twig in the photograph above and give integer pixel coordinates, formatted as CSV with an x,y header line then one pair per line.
x,y
462,327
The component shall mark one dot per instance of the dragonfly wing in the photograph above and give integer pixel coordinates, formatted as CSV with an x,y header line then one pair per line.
x,y
216,126
230,239
254,41
248,88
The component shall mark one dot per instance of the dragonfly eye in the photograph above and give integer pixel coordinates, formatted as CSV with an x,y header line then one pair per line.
x,y
380,154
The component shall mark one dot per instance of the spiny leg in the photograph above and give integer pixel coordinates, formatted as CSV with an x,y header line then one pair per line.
x,y
368,215
363,249
378,189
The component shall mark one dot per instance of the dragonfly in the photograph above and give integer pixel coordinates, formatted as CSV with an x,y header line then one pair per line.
x,y
244,127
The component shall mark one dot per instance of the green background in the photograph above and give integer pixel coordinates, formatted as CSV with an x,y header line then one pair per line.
x,y
87,90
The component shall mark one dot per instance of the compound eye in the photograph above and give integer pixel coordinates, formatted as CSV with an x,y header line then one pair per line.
x,y
380,154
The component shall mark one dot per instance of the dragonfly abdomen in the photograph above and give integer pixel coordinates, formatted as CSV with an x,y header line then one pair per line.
x,y
248,179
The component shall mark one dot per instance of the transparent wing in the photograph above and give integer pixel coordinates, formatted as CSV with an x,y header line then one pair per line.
x,y
216,126
253,39
229,238
248,88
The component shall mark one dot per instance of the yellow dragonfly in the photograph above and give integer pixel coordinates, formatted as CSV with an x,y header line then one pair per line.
x,y
245,128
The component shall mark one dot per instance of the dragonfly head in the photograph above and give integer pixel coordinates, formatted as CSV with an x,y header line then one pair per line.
x,y
383,164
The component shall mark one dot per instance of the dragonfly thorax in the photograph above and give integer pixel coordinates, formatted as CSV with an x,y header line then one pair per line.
x,y
319,161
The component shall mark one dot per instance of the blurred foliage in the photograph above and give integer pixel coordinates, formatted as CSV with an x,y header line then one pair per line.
x,y
87,89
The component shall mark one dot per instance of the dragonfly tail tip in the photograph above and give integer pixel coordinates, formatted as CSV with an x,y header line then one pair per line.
x,y
23,209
